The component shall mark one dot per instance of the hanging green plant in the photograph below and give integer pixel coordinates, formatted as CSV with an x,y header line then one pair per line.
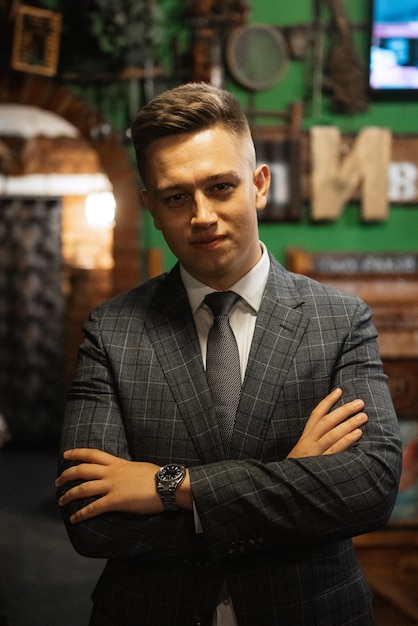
x,y
126,31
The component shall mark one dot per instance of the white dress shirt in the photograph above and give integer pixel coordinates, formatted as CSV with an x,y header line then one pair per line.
x,y
242,319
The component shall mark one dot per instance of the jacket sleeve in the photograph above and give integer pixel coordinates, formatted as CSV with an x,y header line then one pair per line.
x,y
94,418
251,505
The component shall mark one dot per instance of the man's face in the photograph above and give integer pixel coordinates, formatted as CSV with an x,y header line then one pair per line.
x,y
203,193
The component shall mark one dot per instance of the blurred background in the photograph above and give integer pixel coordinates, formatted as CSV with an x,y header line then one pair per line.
x,y
330,89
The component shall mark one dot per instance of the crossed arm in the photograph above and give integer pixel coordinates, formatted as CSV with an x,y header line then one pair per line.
x,y
129,486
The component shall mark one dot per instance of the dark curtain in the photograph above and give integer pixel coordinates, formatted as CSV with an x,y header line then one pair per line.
x,y
31,313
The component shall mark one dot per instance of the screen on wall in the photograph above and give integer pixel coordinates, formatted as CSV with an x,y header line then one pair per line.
x,y
394,46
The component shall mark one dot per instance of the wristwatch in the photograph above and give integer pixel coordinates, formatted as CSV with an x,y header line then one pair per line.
x,y
167,479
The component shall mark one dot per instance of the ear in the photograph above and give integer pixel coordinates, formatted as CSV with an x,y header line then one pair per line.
x,y
146,201
262,184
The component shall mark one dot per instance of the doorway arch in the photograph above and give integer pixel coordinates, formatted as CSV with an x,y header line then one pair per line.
x,y
45,94
89,287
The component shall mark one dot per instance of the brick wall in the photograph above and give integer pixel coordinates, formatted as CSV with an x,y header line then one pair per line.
x,y
113,258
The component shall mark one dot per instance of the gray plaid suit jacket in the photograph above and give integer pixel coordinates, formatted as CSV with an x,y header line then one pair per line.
x,y
279,529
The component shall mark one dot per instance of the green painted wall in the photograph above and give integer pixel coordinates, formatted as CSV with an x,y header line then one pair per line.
x,y
400,231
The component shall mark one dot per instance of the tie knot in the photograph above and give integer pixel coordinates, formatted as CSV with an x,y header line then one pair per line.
x,y
221,302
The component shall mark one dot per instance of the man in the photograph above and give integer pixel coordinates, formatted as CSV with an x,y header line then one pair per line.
x,y
314,456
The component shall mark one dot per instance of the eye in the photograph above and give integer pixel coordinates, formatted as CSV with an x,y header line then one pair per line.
x,y
176,199
223,187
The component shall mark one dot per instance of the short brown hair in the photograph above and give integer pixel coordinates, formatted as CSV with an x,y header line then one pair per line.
x,y
189,108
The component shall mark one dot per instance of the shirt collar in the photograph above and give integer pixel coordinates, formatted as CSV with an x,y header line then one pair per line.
x,y
250,287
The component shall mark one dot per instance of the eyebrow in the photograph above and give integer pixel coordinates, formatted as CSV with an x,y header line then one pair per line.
x,y
213,178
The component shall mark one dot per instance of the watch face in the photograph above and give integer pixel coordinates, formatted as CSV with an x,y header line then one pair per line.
x,y
170,472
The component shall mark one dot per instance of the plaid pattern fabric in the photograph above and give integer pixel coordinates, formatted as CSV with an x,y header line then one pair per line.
x,y
278,529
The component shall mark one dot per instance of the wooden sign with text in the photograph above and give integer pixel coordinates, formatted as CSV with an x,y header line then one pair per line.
x,y
374,167
335,180
328,170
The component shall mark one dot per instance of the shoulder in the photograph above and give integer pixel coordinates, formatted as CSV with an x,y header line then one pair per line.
x,y
138,297
156,294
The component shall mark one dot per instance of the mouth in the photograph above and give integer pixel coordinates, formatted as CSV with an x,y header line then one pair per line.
x,y
208,243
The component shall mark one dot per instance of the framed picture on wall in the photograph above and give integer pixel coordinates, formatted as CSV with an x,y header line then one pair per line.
x,y
36,41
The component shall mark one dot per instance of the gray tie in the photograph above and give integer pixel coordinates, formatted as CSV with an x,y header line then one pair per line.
x,y
222,363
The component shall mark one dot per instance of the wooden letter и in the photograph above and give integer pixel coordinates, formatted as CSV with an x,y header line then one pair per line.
x,y
363,171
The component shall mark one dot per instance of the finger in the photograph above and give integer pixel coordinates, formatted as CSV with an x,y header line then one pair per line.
x,y
84,490
84,471
345,442
341,436
326,404
93,509
88,455
338,416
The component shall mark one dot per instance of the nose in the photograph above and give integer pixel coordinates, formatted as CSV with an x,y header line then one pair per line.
x,y
204,214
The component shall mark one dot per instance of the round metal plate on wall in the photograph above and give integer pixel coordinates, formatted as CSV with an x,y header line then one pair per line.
x,y
257,56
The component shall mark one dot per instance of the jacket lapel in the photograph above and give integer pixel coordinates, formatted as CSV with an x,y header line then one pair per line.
x,y
279,329
173,334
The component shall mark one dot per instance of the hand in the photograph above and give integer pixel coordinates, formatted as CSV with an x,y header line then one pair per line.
x,y
118,485
329,432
